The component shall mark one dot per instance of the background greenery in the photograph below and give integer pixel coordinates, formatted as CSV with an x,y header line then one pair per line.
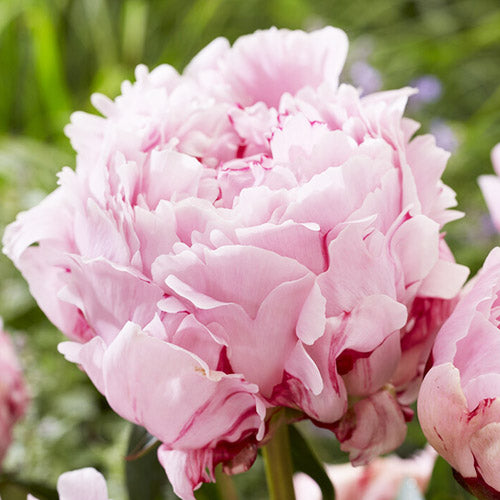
x,y
55,53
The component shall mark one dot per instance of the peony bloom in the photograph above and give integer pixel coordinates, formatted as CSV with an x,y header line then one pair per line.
x,y
459,401
246,236
380,480
81,484
490,186
13,396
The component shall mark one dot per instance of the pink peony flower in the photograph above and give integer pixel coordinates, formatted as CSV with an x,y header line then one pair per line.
x,y
380,480
247,236
13,395
81,484
490,186
459,401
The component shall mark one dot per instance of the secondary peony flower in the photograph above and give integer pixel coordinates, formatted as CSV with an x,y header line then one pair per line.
x,y
246,236
13,395
459,401
379,480
490,186
81,484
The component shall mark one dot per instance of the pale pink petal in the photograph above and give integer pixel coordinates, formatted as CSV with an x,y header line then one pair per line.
x,y
485,447
376,426
331,403
370,373
186,470
416,243
89,356
265,65
357,269
208,58
108,296
490,187
495,158
82,484
302,242
444,281
444,422
129,392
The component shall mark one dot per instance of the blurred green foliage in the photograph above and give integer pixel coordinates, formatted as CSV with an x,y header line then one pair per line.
x,y
55,53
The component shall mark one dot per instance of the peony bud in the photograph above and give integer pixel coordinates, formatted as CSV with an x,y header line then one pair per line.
x,y
459,401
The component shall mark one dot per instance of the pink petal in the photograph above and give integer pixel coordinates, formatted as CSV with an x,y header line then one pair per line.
x,y
376,426
443,415
82,484
490,187
134,359
485,446
265,65
109,295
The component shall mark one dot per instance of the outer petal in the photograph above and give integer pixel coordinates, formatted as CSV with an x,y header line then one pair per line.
x,y
485,446
134,359
186,470
443,415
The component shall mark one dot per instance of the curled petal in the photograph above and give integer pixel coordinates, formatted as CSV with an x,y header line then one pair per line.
x,y
375,426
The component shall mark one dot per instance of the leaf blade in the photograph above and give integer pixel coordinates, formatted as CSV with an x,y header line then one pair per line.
x,y
305,460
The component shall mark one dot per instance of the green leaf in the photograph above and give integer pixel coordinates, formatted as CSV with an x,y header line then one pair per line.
x,y
48,62
145,476
443,485
13,488
305,460
134,29
208,491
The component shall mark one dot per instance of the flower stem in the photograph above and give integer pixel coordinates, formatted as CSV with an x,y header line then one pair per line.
x,y
279,469
225,485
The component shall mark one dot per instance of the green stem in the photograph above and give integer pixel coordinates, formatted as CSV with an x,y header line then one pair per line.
x,y
279,469
225,485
